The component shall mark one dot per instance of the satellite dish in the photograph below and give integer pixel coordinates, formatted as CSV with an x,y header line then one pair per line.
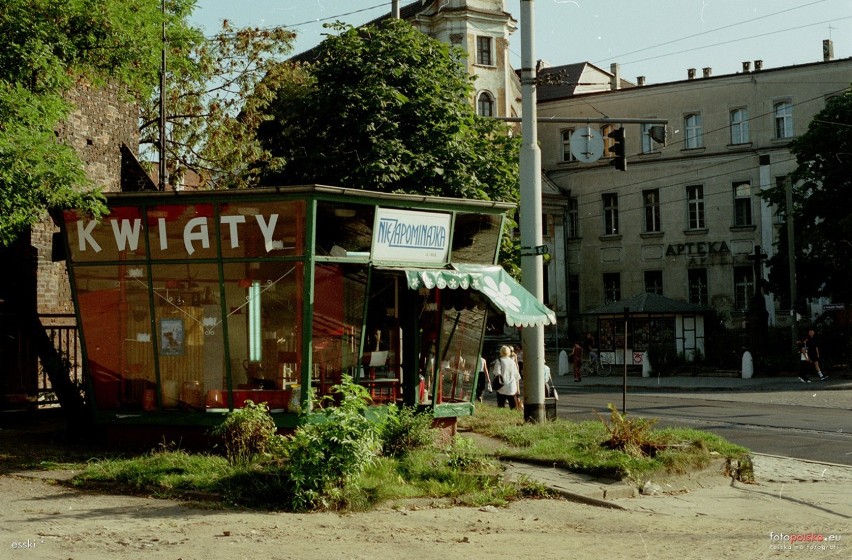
x,y
587,145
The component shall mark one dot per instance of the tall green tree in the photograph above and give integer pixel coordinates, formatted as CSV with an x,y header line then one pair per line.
x,y
216,95
47,45
821,213
386,108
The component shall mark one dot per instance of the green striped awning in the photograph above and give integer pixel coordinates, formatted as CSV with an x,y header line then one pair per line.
x,y
521,308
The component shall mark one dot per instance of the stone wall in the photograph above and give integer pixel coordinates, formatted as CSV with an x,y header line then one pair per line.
x,y
104,118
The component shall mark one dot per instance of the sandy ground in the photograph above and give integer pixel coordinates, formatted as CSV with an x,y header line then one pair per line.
x,y
722,519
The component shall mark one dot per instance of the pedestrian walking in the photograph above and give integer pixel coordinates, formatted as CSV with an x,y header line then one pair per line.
x,y
813,353
483,380
507,377
577,360
805,365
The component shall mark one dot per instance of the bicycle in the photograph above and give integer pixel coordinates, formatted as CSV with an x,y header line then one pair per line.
x,y
599,365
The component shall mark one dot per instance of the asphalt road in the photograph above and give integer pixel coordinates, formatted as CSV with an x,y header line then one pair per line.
x,y
803,432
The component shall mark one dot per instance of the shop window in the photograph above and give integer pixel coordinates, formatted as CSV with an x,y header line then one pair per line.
x,y
351,231
464,315
120,236
262,229
476,238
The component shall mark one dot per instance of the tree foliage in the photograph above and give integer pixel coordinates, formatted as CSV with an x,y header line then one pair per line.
x,y
822,216
48,45
216,94
386,108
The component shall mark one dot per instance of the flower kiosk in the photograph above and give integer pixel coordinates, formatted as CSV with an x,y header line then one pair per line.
x,y
192,303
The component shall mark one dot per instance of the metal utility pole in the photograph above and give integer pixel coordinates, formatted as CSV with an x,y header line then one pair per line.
x,y
162,169
530,220
395,9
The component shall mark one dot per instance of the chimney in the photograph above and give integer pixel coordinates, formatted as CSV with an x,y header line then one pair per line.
x,y
690,73
707,71
827,50
615,81
746,67
640,80
758,65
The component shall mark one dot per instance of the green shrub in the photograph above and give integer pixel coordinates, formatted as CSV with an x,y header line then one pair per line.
x,y
324,455
247,433
404,430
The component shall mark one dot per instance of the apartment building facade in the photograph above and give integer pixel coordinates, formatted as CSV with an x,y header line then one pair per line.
x,y
686,219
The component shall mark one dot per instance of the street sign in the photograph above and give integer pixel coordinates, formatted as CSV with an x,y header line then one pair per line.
x,y
834,307
587,144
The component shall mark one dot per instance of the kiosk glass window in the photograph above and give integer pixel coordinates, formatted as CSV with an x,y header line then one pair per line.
x,y
476,238
182,231
264,320
188,337
262,229
344,230
119,236
462,325
115,317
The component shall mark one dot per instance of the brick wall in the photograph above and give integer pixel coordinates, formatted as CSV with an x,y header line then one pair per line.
x,y
102,120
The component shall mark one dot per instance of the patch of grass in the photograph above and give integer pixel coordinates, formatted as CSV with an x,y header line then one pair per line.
x,y
590,447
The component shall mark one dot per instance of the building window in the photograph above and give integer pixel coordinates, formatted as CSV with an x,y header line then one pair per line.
x,y
483,51
574,294
693,131
610,209
783,119
654,282
652,210
485,105
573,218
612,287
695,206
742,204
566,145
743,287
697,278
647,141
739,126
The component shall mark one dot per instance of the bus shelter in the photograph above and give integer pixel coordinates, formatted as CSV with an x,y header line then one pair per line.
x,y
192,303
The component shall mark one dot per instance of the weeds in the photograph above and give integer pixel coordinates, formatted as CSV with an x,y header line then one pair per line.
x,y
248,432
631,435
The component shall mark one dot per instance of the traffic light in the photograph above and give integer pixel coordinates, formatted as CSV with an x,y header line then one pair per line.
x,y
618,150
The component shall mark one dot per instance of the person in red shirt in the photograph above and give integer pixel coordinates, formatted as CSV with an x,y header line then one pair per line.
x,y
577,359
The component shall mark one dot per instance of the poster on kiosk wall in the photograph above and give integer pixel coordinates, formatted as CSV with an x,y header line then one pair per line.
x,y
406,236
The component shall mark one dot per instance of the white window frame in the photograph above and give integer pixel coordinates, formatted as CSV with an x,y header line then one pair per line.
x,y
610,213
651,204
697,279
695,217
647,142
782,115
739,126
567,156
693,131
743,287
573,218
